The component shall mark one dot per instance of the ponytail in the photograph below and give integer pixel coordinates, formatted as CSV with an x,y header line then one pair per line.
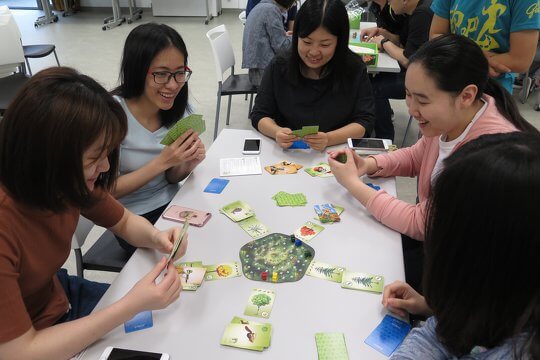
x,y
507,106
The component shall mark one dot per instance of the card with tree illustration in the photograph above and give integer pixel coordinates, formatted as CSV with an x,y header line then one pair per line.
x,y
325,271
362,281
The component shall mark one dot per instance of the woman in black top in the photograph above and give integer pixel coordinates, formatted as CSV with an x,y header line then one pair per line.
x,y
319,82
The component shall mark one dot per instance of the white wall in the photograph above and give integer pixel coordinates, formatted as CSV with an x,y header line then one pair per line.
x,y
226,4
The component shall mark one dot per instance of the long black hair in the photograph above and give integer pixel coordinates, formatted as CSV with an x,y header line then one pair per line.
x,y
332,16
454,62
482,245
142,45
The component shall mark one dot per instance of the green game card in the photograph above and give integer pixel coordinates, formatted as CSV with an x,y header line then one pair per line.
x,y
320,170
283,198
254,227
306,130
239,320
192,121
191,277
260,303
237,211
247,336
308,231
363,281
180,265
222,271
339,210
326,271
331,346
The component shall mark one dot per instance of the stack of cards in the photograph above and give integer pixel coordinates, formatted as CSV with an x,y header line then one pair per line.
x,y
320,170
327,213
283,198
283,167
306,130
242,214
362,281
388,335
331,346
247,334
308,231
192,121
326,271
191,277
339,210
260,303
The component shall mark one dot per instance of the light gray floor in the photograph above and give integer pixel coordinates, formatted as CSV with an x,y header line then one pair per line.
x,y
83,45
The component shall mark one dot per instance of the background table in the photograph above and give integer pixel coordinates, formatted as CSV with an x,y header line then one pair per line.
x,y
386,63
192,327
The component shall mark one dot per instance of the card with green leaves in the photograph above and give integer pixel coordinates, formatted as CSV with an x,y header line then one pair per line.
x,y
254,227
237,211
325,271
362,281
260,303
193,121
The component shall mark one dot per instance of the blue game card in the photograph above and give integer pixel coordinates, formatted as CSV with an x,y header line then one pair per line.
x,y
388,335
299,144
142,320
216,186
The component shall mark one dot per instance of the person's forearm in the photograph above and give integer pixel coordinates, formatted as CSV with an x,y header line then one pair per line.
x,y
64,340
178,173
359,190
128,183
396,53
371,164
135,229
388,35
268,127
341,135
439,26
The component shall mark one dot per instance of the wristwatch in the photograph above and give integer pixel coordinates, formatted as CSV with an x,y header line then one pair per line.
x,y
382,43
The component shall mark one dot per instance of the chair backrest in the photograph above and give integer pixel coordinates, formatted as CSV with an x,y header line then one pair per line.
x,y
81,232
242,16
222,50
11,50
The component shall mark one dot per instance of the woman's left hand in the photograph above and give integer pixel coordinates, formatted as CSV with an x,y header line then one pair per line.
x,y
317,141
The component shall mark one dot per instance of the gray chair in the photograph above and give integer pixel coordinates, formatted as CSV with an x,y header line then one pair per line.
x,y
104,255
38,51
12,67
234,84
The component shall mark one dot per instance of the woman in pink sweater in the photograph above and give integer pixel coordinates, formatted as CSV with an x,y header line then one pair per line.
x,y
450,94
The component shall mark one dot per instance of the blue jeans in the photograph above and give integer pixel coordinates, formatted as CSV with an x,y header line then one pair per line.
x,y
83,295
386,86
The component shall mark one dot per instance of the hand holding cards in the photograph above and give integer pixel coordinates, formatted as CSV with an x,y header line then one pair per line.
x,y
192,121
178,241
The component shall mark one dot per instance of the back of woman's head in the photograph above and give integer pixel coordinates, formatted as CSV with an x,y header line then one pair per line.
x,y
332,16
454,62
483,241
53,120
142,45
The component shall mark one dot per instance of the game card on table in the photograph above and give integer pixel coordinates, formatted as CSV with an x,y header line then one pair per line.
x,y
331,346
388,335
260,303
325,271
362,281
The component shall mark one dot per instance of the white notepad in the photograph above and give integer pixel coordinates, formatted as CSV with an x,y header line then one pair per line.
x,y
240,166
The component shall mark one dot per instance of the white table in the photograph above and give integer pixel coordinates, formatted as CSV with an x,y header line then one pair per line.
x,y
386,63
192,327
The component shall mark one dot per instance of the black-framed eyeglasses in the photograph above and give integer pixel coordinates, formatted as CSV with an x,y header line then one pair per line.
x,y
163,77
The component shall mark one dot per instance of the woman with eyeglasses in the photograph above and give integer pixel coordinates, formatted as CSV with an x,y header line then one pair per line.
x,y
154,95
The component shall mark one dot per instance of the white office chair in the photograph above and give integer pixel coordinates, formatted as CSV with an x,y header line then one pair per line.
x,y
234,84
104,255
12,69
